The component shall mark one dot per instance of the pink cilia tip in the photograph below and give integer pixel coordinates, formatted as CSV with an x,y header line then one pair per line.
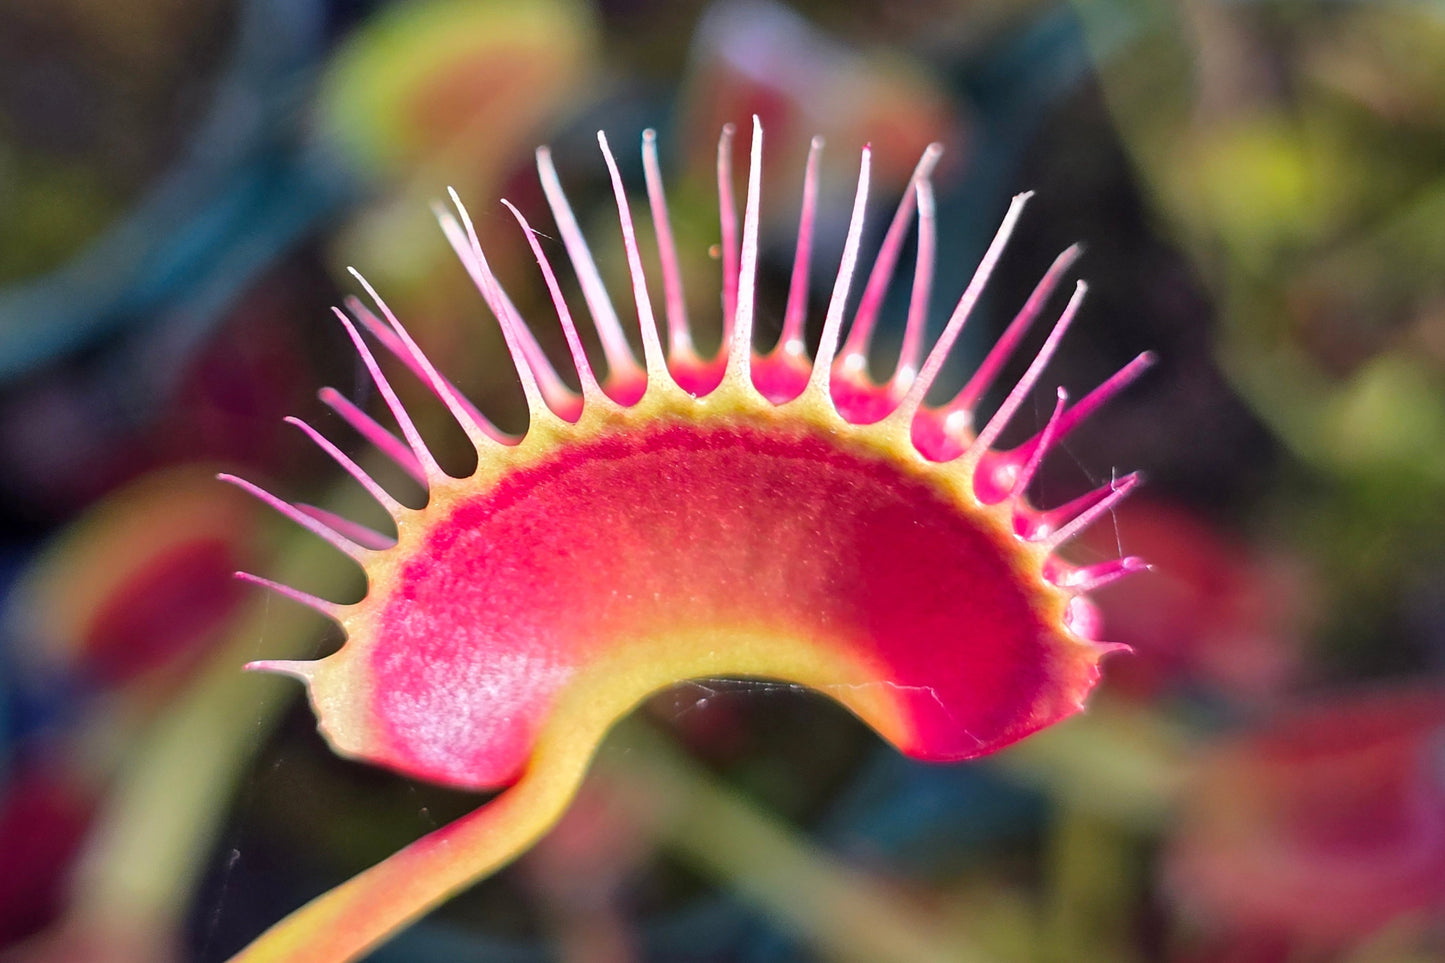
x,y
684,517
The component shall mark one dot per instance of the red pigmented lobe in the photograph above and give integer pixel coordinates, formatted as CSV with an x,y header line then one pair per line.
x,y
693,527
528,607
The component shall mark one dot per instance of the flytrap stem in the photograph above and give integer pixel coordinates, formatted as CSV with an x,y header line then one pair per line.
x,y
346,922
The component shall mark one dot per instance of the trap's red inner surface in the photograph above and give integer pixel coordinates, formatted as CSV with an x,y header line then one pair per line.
x,y
682,529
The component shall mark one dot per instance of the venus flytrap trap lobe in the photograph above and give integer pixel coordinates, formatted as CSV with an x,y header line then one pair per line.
x,y
747,515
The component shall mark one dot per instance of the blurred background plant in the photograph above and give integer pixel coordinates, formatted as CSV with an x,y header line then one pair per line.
x,y
1261,186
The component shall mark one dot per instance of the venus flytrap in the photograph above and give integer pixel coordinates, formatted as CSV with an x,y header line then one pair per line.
x,y
681,517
